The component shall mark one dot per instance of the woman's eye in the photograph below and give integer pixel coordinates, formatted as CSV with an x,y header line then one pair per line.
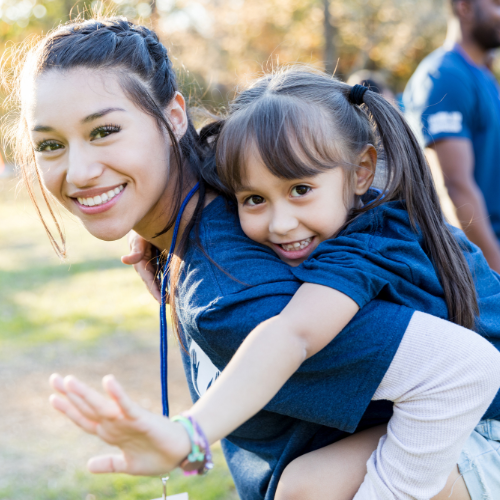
x,y
300,190
45,146
104,131
254,200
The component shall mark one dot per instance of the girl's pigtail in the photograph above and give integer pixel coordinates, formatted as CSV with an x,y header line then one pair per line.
x,y
409,179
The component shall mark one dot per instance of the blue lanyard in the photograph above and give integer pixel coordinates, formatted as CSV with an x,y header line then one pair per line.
x,y
163,317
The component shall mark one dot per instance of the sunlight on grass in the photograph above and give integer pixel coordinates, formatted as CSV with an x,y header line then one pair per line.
x,y
81,485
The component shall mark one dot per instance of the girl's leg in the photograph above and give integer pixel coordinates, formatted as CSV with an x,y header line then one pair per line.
x,y
337,471
334,472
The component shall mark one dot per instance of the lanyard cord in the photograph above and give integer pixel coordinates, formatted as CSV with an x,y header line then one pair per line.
x,y
163,317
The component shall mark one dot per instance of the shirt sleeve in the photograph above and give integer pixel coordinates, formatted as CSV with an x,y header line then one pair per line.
x,y
448,110
438,400
356,266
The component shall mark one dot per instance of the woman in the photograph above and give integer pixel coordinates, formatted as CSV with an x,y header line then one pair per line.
x,y
113,143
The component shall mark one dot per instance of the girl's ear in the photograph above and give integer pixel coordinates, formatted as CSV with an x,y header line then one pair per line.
x,y
177,116
366,170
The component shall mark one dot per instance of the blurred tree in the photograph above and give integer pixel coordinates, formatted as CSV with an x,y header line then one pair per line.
x,y
224,42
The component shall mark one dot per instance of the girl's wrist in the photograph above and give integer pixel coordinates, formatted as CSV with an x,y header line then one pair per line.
x,y
183,443
199,459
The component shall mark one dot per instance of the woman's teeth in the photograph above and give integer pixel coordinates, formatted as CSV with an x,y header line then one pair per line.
x,y
298,245
103,198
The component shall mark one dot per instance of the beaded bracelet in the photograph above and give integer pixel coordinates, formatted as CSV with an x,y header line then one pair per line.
x,y
199,461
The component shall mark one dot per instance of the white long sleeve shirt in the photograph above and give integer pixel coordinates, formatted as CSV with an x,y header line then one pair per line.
x,y
442,380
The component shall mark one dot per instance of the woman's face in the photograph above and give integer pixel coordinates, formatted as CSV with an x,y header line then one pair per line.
x,y
103,158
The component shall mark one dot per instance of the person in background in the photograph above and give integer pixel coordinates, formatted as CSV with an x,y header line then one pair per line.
x,y
453,103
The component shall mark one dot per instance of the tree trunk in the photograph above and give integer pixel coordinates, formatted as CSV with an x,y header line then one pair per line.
x,y
329,55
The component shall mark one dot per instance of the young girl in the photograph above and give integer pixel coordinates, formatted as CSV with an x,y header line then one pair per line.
x,y
100,124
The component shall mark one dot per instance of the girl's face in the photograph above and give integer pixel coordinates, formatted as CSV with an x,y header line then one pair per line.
x,y
103,158
293,217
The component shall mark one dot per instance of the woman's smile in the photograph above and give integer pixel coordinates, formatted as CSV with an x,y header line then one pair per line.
x,y
108,198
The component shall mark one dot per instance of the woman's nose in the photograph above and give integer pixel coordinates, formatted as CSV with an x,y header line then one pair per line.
x,y
283,222
82,169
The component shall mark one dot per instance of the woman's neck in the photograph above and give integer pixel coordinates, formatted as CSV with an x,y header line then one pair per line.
x,y
164,241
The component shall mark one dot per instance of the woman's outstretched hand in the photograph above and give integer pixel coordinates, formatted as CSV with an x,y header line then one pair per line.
x,y
151,444
141,256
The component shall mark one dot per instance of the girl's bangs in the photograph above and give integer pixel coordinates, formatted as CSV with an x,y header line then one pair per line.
x,y
291,140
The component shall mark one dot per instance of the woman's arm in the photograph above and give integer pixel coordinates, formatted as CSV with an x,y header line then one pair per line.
x,y
269,356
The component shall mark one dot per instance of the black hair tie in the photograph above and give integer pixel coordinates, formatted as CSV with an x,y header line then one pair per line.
x,y
356,94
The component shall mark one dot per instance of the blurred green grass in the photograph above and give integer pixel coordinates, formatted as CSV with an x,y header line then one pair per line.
x,y
76,304
81,485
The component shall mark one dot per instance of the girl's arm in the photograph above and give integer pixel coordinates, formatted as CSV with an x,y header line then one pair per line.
x,y
267,358
270,355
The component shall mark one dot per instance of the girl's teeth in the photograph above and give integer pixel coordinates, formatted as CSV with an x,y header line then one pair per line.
x,y
299,245
99,200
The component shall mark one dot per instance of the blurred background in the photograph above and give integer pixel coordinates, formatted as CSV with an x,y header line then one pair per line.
x,y
90,315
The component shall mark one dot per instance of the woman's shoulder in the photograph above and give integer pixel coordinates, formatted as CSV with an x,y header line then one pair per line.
x,y
220,255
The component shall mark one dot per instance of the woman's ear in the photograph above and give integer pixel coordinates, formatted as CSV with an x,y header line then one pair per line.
x,y
366,170
177,116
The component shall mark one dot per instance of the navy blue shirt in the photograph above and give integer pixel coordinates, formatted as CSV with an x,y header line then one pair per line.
x,y
379,255
221,301
451,97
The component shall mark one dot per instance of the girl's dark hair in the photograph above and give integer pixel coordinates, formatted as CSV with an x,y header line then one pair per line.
x,y
146,76
301,122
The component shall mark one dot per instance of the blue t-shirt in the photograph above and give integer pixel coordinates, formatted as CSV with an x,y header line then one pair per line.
x,y
380,256
449,96
220,301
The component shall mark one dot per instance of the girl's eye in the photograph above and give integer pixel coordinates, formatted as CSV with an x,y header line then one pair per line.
x,y
104,131
254,200
46,146
300,191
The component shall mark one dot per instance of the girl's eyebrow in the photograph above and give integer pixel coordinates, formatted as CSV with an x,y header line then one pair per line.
x,y
87,119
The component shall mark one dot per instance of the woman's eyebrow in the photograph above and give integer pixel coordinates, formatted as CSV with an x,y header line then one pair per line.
x,y
87,119
99,114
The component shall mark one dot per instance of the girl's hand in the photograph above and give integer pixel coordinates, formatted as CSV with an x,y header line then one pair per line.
x,y
151,445
142,257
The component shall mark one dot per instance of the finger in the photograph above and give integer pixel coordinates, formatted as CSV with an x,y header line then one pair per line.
x,y
132,258
107,463
148,275
90,402
116,391
64,406
57,383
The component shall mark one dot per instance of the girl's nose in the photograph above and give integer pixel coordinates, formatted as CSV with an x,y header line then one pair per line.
x,y
82,170
283,222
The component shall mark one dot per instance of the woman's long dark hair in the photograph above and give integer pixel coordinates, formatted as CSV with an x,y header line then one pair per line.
x,y
302,122
146,76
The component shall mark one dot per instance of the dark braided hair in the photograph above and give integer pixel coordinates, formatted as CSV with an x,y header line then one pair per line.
x,y
149,81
